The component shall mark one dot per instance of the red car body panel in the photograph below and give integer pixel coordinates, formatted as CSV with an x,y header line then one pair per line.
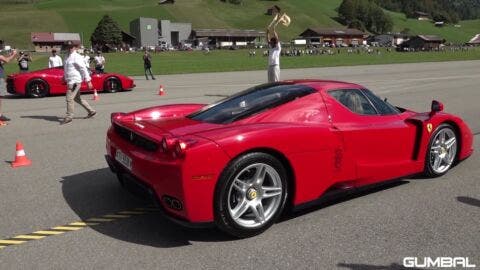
x,y
17,83
322,143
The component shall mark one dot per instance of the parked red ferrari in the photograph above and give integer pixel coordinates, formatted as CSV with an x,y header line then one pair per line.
x,y
45,82
239,162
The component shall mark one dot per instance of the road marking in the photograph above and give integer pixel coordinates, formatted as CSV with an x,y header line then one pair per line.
x,y
48,232
116,216
75,226
29,237
67,228
12,242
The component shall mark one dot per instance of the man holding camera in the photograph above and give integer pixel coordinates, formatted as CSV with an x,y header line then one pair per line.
x,y
75,71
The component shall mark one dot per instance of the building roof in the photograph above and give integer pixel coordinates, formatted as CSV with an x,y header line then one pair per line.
x,y
431,38
55,37
228,33
333,32
475,39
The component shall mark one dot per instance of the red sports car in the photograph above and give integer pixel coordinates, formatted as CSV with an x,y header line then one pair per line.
x,y
45,82
239,162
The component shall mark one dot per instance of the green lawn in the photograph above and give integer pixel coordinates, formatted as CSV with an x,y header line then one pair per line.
x,y
224,60
64,15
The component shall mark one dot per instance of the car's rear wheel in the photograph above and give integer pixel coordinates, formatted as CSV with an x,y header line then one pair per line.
x,y
112,85
37,88
250,195
442,151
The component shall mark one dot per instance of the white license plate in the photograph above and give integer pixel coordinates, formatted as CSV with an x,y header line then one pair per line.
x,y
123,159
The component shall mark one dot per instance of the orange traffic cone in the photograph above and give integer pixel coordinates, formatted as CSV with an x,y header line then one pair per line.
x,y
161,92
20,157
95,95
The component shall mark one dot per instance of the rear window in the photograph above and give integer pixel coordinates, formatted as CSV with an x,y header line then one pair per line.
x,y
250,102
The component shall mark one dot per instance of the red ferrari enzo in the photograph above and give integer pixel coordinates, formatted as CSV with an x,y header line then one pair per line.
x,y
239,162
45,82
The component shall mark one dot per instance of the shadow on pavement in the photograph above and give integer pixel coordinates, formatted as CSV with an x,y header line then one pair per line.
x,y
50,118
356,266
96,193
469,201
343,197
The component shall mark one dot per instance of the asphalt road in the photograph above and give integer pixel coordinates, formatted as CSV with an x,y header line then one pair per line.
x,y
69,181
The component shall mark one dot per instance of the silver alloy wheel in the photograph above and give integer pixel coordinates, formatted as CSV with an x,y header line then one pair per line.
x,y
443,150
255,195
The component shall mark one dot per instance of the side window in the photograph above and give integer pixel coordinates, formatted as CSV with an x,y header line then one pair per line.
x,y
354,100
384,108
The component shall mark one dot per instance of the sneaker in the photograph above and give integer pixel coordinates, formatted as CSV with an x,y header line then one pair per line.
x,y
66,120
91,114
4,118
153,78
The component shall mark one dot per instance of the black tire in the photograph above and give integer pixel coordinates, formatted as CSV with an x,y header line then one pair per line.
x,y
37,88
429,170
223,218
112,85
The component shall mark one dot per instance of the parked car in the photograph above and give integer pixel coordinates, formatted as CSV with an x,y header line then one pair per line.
x,y
240,162
46,82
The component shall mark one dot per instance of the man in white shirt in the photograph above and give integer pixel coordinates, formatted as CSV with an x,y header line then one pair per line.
x,y
99,62
273,56
54,60
75,71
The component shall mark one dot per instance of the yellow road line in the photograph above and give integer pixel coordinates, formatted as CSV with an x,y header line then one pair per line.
x,y
11,242
29,236
100,219
116,216
132,212
74,226
83,223
67,228
49,232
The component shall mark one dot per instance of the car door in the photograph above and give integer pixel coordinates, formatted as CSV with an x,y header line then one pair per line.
x,y
376,146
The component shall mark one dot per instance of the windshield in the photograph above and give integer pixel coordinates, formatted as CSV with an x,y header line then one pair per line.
x,y
251,101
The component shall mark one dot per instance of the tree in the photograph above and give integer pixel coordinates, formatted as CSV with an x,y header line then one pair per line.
x,y
346,11
365,15
107,34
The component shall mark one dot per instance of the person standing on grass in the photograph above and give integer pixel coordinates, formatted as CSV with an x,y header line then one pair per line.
x,y
55,60
99,62
23,60
273,56
3,92
75,71
147,64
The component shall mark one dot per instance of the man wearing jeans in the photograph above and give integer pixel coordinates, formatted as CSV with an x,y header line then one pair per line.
x,y
3,92
75,71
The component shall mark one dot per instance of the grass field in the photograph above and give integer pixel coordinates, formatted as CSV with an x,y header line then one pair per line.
x,y
63,15
223,60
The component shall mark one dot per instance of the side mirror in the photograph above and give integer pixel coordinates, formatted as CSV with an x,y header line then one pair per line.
x,y
437,106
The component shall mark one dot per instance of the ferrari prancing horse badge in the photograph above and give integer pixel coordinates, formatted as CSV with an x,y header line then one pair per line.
x,y
429,127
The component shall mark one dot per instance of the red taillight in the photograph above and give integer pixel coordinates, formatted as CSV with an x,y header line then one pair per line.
x,y
116,116
176,147
167,144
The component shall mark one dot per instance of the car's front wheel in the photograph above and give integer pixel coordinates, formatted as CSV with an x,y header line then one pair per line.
x,y
442,151
37,88
250,195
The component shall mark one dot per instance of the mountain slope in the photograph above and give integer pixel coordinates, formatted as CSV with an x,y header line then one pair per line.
x,y
60,15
